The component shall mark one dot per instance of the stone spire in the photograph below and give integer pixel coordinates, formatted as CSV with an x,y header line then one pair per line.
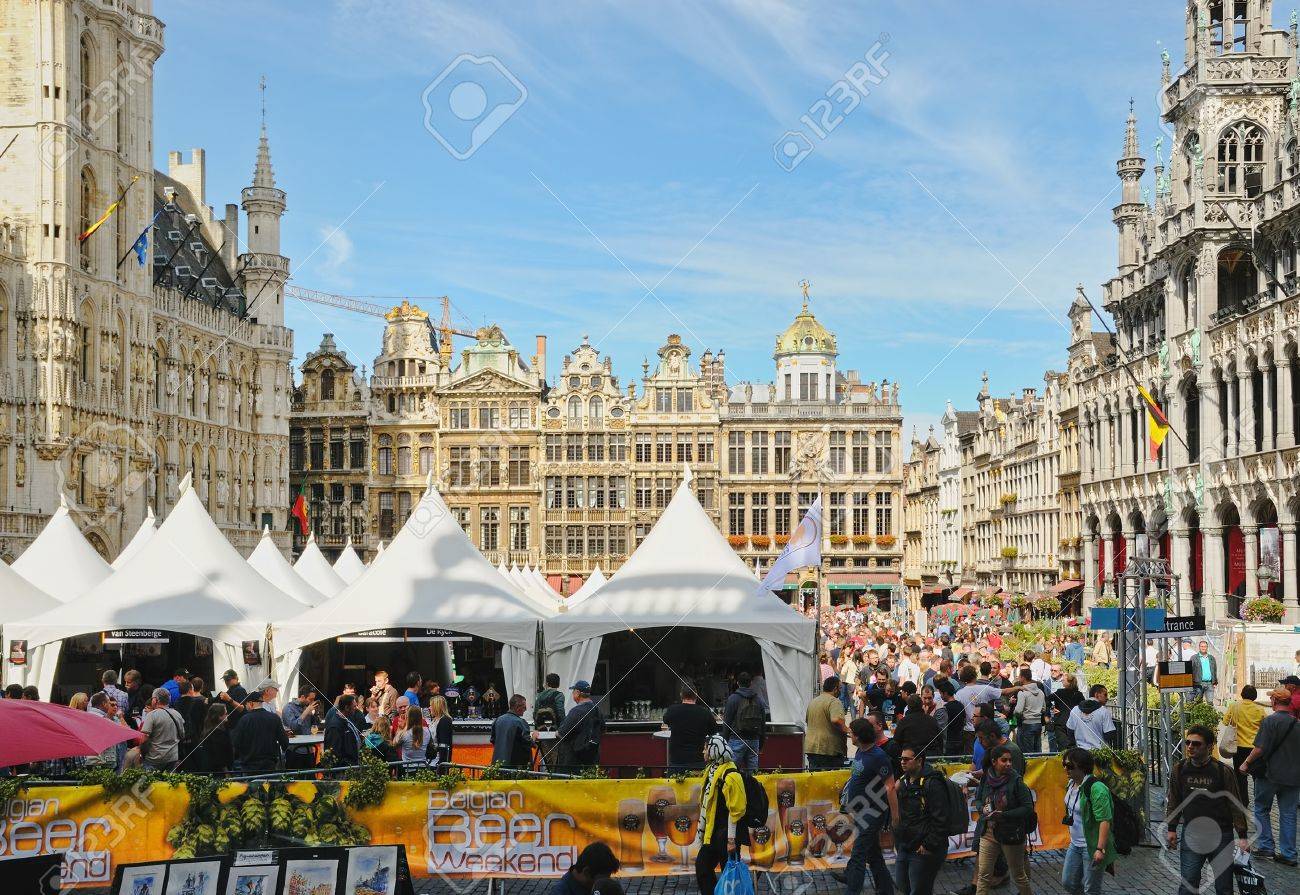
x,y
263,175
1128,214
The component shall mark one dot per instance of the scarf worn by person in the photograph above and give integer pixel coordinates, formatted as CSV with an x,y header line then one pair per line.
x,y
997,790
716,753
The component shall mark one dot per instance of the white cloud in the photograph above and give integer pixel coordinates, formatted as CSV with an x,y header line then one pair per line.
x,y
335,253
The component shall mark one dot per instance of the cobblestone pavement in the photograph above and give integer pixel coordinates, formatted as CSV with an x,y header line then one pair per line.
x,y
1141,872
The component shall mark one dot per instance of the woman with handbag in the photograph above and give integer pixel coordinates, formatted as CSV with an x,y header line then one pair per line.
x,y
1242,719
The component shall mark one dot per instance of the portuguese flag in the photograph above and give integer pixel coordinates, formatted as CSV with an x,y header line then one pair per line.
x,y
299,512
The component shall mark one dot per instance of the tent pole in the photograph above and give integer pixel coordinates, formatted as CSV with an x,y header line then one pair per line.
x,y
817,643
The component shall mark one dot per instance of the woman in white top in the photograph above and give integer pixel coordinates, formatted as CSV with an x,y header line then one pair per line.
x,y
412,741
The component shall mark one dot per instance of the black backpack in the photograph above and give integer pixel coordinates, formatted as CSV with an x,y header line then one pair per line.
x,y
756,804
750,720
1125,827
957,809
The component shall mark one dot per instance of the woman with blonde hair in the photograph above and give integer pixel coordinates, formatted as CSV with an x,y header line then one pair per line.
x,y
79,701
413,740
438,750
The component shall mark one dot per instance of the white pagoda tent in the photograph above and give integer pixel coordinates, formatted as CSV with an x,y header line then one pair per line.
x,y
187,579
19,598
271,565
60,561
685,574
147,529
593,583
348,566
316,570
429,575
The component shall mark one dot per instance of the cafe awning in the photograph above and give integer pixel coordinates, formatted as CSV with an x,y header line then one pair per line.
x,y
1064,585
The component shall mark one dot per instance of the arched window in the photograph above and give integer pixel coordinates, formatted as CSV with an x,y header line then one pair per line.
x,y
327,386
1286,253
1292,152
1228,20
1192,419
1241,160
575,408
596,409
86,338
87,83
121,102
89,199
1237,278
385,456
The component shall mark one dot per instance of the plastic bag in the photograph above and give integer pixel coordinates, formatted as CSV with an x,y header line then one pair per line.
x,y
735,878
1248,879
1227,743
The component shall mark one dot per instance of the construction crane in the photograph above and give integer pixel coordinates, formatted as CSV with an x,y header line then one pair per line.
x,y
370,305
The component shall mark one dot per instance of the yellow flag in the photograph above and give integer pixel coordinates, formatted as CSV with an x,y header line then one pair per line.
x,y
1157,425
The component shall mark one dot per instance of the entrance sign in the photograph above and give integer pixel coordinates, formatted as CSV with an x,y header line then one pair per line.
x,y
1178,626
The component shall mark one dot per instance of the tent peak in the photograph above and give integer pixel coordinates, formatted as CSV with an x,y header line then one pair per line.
x,y
148,515
687,475
311,537
63,501
186,483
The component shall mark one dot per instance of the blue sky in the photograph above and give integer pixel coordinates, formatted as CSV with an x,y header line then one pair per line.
x,y
634,191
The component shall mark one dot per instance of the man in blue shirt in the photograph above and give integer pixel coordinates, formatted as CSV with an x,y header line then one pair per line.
x,y
1205,672
1074,651
412,694
871,800
173,686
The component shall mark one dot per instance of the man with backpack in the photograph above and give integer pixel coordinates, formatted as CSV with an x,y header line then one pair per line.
x,y
548,705
925,819
871,800
1090,814
744,721
1202,795
577,741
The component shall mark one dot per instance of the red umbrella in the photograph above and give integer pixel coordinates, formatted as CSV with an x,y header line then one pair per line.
x,y
39,731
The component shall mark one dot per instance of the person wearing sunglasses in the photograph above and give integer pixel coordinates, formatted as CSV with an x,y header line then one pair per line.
x,y
1203,794
1089,813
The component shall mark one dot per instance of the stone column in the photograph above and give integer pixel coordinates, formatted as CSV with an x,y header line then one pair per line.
x,y
1177,416
1230,414
1289,572
1180,545
1285,415
1211,432
1250,534
1213,586
1269,376
1245,414
1089,572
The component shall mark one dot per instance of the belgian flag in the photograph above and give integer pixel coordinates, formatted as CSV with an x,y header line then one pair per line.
x,y
1157,425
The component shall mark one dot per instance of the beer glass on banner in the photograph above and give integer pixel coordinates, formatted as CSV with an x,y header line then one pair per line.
x,y
683,825
839,829
631,831
658,801
817,839
784,797
796,832
762,842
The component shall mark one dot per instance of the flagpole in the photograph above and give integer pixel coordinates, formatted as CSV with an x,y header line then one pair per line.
x,y
120,199
137,239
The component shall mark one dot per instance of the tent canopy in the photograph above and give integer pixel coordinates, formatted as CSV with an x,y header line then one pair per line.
x,y
61,561
429,574
589,587
348,566
19,598
683,574
271,565
316,570
141,537
187,578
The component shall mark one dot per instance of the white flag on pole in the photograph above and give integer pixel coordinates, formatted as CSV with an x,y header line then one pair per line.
x,y
804,549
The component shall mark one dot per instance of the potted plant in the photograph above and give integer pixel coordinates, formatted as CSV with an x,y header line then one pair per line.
x,y
1010,552
760,542
780,540
839,540
1263,609
737,542
884,542
862,540
1046,604
991,601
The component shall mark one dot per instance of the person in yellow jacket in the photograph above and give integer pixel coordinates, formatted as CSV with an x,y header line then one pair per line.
x,y
721,806
1244,717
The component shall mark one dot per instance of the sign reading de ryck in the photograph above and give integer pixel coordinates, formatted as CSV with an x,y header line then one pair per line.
x,y
405,635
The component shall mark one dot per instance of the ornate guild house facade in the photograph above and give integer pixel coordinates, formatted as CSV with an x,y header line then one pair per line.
x,y
119,376
569,476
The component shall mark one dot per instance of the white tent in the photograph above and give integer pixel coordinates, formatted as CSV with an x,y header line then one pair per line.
x,y
316,570
593,583
271,565
141,537
61,561
348,566
187,578
19,598
686,575
542,586
430,574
